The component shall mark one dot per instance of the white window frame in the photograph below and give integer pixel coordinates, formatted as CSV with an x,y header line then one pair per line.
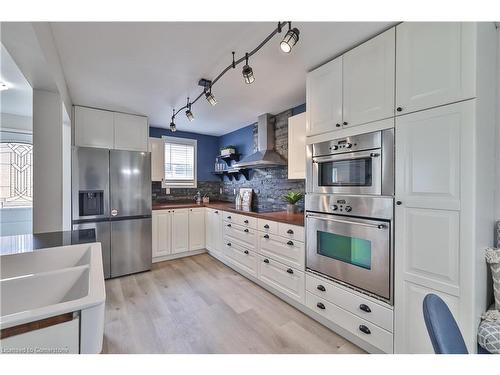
x,y
182,141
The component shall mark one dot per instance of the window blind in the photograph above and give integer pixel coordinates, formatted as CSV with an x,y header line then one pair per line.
x,y
179,163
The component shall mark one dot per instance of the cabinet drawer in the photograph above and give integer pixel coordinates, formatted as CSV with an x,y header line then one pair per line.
x,y
243,220
283,250
293,232
365,330
364,307
244,236
267,226
287,280
240,257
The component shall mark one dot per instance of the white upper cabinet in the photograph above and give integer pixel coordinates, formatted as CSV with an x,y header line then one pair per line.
x,y
131,132
93,128
157,149
106,129
324,98
196,228
297,146
368,84
435,64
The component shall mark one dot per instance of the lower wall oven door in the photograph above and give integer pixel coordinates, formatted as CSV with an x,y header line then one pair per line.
x,y
351,250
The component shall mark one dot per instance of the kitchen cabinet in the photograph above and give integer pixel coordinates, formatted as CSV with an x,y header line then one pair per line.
x,y
435,64
324,98
93,128
112,130
196,228
368,80
213,225
157,149
130,132
297,146
180,230
162,233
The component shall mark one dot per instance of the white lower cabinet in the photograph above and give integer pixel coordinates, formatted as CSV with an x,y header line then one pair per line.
x,y
363,306
162,233
282,249
196,228
241,235
170,231
240,257
213,229
281,277
367,331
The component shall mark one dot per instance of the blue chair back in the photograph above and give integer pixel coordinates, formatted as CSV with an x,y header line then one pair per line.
x,y
442,327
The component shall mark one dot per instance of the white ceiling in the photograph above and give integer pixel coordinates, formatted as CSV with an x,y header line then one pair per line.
x,y
149,68
18,99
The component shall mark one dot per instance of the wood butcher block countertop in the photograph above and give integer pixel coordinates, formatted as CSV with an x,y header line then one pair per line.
x,y
280,216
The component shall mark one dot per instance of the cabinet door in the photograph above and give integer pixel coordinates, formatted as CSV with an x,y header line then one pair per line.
x,y
131,132
218,222
209,234
157,149
368,83
434,64
297,146
324,98
428,156
196,228
180,231
93,128
162,234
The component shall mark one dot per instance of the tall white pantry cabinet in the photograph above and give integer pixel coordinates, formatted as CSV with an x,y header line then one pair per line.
x,y
444,77
444,213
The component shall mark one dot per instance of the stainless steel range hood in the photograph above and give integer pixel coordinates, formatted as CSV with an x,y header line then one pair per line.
x,y
265,157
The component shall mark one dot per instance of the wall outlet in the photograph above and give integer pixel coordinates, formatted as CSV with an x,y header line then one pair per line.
x,y
234,191
220,190
167,191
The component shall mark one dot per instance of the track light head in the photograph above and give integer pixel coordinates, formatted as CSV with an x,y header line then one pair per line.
x,y
173,128
248,72
291,38
210,97
189,114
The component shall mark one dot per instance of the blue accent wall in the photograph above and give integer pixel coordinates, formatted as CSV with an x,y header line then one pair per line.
x,y
241,138
207,150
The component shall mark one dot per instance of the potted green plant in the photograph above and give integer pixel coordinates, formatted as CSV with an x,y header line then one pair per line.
x,y
291,198
228,150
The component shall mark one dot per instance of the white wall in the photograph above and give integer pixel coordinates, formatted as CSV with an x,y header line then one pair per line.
x,y
47,162
497,195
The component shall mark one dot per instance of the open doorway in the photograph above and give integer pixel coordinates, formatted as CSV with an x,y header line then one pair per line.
x,y
16,149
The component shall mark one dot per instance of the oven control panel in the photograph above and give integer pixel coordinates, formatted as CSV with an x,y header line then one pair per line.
x,y
351,205
368,141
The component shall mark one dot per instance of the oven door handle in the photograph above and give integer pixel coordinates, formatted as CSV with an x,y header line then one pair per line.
x,y
377,226
347,156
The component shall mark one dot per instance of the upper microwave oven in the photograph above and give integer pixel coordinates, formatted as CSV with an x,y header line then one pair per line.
x,y
359,165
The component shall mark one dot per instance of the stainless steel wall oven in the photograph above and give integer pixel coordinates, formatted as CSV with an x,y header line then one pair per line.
x,y
349,211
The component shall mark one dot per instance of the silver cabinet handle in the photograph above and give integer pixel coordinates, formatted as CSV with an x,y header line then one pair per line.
x,y
378,226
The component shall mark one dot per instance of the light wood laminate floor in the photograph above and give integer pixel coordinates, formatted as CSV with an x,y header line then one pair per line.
x,y
199,305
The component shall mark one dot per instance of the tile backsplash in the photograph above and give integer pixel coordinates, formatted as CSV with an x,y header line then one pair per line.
x,y
210,188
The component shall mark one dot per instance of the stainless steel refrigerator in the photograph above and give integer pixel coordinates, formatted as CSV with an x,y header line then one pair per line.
x,y
111,192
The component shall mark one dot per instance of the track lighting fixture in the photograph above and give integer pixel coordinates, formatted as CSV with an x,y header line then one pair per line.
x,y
210,97
291,38
289,41
189,114
247,71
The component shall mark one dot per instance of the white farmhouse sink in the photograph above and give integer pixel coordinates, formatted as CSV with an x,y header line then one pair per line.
x,y
55,281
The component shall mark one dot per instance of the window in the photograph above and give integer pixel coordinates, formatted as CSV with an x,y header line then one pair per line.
x,y
180,162
16,187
